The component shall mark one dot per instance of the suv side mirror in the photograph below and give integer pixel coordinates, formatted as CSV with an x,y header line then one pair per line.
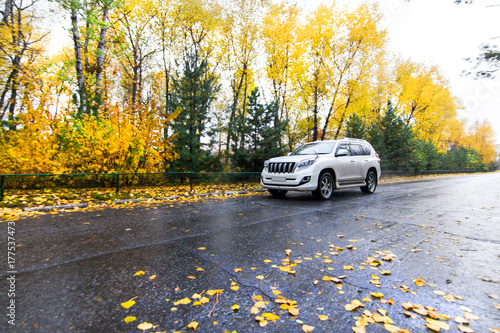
x,y
342,152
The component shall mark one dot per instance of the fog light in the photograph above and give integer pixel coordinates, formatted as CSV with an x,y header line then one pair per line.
x,y
305,180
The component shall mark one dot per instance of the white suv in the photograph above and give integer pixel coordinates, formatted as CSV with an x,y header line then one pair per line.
x,y
322,167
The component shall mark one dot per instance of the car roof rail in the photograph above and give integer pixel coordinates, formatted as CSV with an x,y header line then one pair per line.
x,y
354,139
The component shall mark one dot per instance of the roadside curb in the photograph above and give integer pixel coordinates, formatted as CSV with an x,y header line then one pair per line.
x,y
126,201
51,208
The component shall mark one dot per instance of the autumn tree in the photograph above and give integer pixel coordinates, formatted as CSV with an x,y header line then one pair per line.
x,y
424,99
482,138
20,42
312,76
280,31
356,50
163,32
340,50
89,33
135,51
239,41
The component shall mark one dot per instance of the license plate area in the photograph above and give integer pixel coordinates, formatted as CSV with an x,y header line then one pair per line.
x,y
279,179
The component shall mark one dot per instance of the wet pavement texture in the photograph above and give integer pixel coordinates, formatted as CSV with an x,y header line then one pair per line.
x,y
75,269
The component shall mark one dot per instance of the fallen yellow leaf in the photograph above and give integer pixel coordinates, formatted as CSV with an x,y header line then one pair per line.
x,y
358,329
254,310
465,329
307,328
214,291
470,316
145,326
376,295
139,273
323,317
419,282
270,316
128,304
129,319
185,300
193,325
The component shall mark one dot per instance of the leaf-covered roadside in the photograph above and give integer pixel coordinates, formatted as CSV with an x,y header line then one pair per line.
x,y
14,203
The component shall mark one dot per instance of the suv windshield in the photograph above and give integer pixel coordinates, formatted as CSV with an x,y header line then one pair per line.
x,y
312,148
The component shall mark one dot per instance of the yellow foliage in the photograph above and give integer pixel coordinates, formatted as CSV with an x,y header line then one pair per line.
x,y
482,138
115,142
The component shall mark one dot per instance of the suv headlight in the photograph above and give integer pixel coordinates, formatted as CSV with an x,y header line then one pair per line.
x,y
266,165
304,164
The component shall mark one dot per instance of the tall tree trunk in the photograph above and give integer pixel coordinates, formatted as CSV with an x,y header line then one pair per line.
x,y
12,103
342,118
232,117
100,49
315,112
78,63
7,12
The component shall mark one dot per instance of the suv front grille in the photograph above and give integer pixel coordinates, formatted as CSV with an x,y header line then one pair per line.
x,y
286,167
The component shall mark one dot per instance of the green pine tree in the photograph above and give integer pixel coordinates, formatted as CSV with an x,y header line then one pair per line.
x,y
193,92
393,140
262,139
355,127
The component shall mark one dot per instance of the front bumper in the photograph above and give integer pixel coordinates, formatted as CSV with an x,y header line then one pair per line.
x,y
290,181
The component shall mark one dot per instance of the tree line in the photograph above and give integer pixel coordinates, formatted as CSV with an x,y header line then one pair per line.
x,y
401,149
193,85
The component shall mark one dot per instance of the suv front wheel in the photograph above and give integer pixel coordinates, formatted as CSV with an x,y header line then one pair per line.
x,y
325,188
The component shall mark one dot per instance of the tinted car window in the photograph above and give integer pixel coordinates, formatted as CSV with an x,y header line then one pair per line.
x,y
367,150
356,150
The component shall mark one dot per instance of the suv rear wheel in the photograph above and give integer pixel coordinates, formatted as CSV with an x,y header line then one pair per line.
x,y
325,188
371,183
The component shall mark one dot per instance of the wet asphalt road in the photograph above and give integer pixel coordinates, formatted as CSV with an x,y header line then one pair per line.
x,y
76,268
